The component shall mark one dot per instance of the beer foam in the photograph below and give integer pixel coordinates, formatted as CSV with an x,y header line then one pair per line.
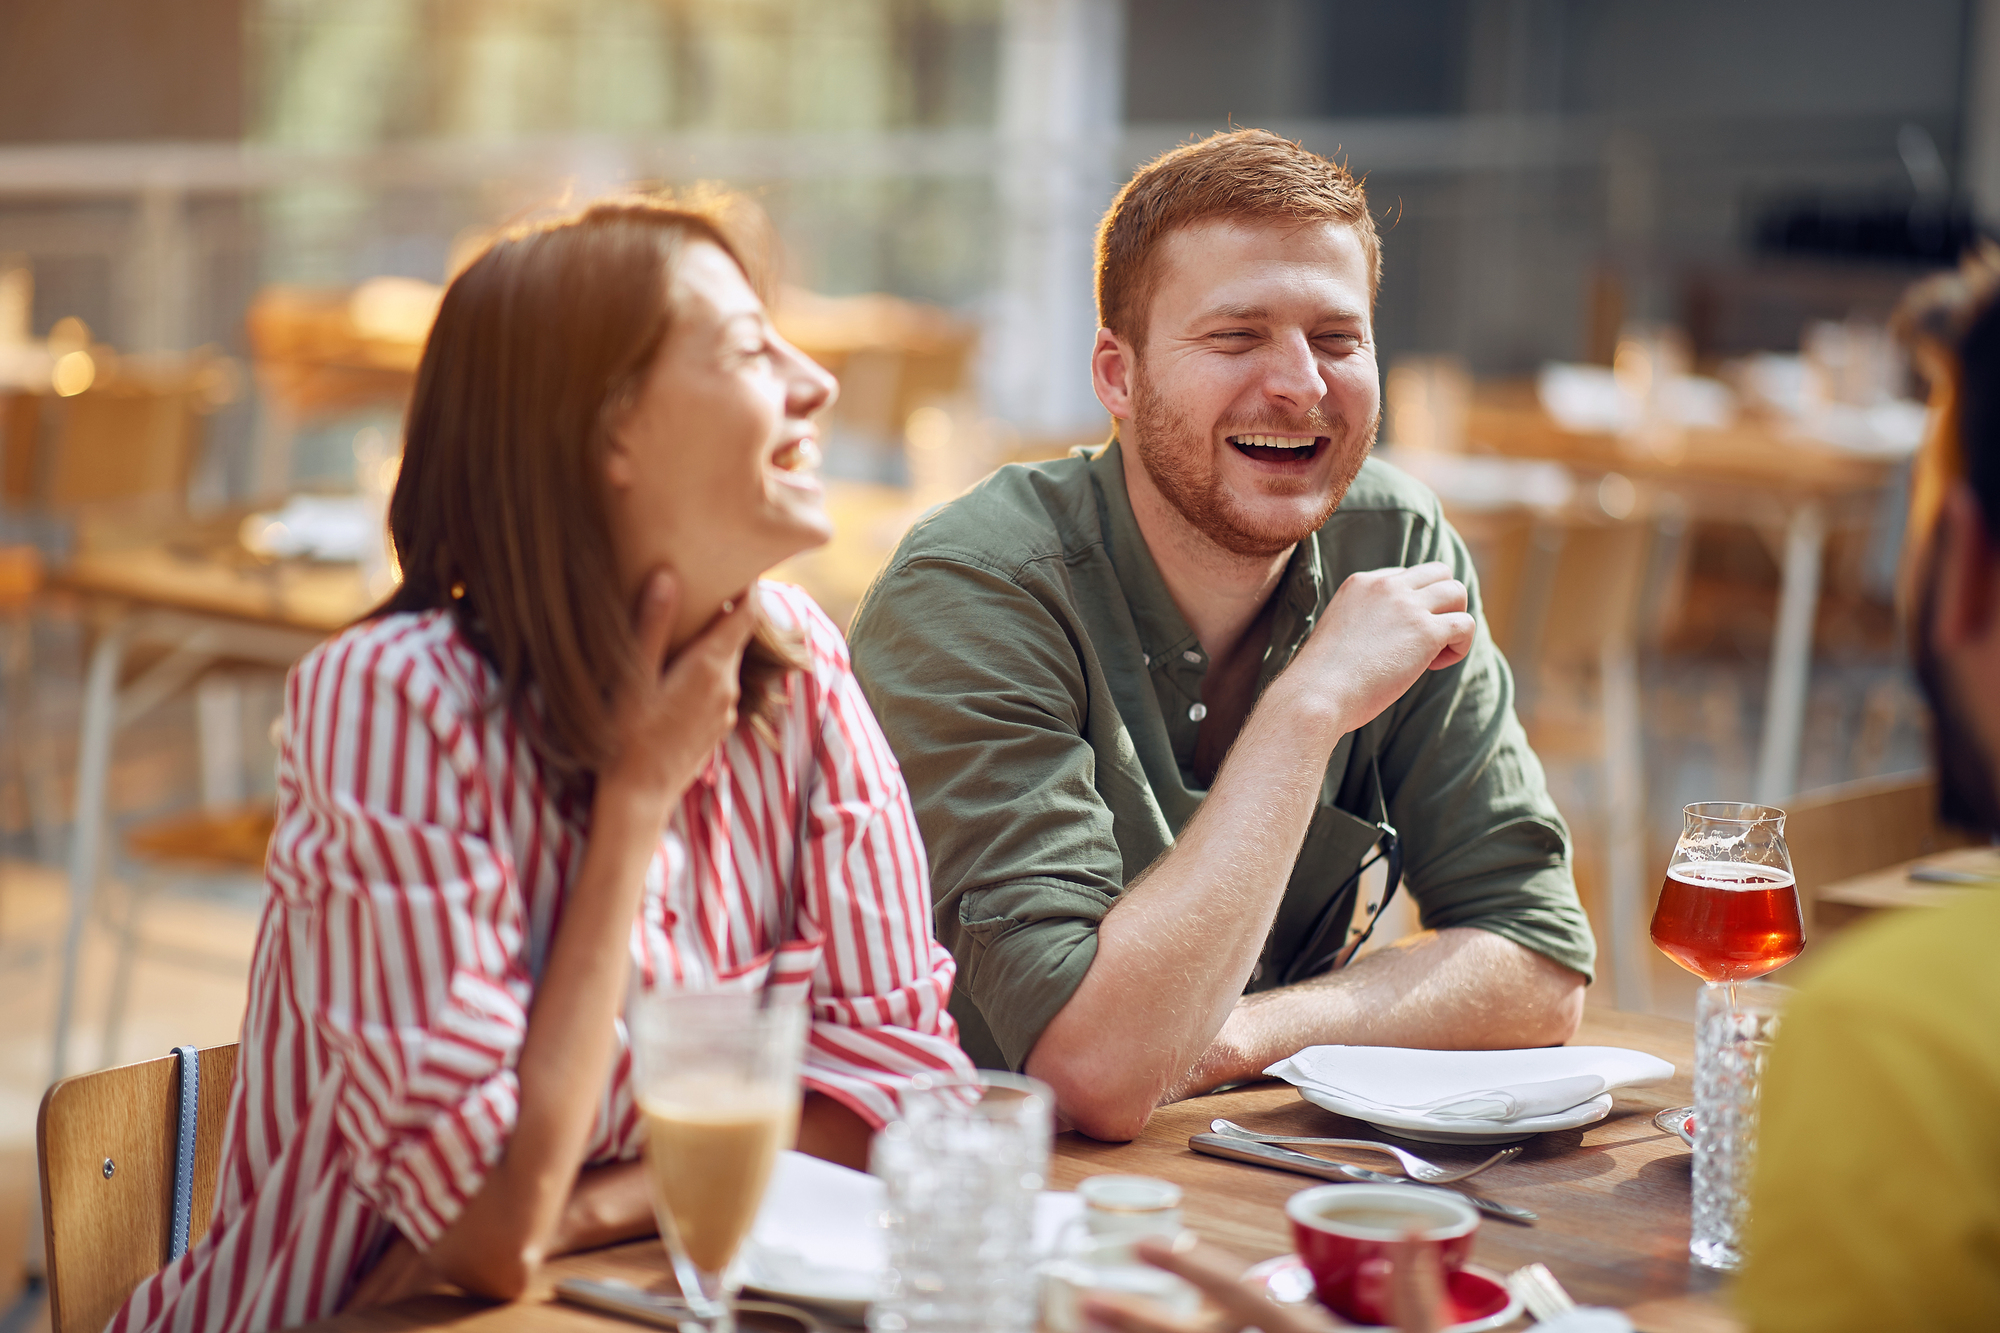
x,y
1732,876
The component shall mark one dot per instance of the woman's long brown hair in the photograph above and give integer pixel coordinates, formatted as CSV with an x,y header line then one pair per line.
x,y
500,512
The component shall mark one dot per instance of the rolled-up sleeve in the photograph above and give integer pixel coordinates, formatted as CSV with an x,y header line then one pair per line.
x,y
421,1000
882,987
1024,849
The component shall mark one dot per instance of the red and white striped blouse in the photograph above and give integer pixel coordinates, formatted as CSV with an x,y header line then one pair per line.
x,y
416,876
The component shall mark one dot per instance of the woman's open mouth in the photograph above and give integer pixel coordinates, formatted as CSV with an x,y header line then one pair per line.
x,y
800,455
1279,448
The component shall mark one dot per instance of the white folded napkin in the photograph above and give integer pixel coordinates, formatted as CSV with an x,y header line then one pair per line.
x,y
818,1234
1470,1085
819,1231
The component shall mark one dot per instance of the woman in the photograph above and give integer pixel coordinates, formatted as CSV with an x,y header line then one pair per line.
x,y
581,744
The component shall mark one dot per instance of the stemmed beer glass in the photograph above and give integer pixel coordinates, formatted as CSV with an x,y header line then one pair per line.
x,y
1729,909
1729,913
718,1087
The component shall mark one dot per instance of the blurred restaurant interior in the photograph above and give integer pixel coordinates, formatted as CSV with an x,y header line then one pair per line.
x,y
1638,263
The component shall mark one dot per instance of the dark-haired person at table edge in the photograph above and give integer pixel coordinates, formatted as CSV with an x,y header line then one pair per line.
x,y
1158,703
1876,1199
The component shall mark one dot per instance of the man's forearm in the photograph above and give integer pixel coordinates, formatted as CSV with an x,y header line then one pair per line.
x,y
1174,953
1456,989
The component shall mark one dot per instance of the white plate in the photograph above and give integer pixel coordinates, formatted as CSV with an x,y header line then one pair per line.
x,y
1426,1129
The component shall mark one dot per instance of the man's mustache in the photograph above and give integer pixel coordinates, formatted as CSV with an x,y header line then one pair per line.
x,y
1314,422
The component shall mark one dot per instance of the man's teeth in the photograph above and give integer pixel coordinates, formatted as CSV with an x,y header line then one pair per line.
x,y
1274,441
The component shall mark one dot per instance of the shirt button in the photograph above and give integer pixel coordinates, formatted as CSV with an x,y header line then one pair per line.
x,y
1191,656
1198,712
1147,658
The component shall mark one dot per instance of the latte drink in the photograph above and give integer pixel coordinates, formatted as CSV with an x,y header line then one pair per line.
x,y
710,1147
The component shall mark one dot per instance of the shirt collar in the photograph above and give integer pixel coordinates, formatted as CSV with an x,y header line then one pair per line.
x,y
1162,630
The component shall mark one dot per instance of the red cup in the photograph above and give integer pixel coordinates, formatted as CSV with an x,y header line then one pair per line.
x,y
1343,1234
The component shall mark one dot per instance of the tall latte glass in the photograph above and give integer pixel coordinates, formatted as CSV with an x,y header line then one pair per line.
x,y
718,1081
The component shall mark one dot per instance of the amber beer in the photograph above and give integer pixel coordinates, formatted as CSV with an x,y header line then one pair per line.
x,y
1728,921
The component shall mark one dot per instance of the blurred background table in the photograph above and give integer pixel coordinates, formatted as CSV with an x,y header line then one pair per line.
x,y
1788,486
181,601
1926,881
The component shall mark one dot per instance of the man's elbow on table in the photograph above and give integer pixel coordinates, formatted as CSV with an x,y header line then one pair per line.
x,y
1093,1095
1550,1007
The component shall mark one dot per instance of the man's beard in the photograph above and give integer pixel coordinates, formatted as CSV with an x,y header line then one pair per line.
x,y
1966,795
1176,457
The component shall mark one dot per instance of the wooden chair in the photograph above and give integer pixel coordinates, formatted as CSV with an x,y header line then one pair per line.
x,y
108,1146
1838,832
1563,592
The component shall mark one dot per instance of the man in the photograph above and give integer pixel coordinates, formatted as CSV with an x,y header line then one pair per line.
x,y
1876,1202
1157,705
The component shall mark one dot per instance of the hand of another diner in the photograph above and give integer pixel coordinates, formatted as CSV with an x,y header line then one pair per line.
x,y
668,721
1383,629
1417,1295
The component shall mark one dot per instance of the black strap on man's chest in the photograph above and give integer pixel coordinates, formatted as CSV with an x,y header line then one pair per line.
x,y
1325,948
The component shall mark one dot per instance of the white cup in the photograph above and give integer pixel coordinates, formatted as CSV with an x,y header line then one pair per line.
x,y
1124,1208
1106,1266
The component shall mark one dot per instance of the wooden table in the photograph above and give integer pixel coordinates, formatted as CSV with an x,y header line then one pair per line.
x,y
192,592
1613,1198
1846,901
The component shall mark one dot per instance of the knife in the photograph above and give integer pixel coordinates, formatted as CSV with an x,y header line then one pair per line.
x,y
669,1312
1265,1154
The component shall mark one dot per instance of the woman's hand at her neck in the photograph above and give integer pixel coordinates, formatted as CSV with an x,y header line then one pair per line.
x,y
677,709
668,719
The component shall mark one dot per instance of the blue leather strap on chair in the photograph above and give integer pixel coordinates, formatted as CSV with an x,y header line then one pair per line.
x,y
190,1108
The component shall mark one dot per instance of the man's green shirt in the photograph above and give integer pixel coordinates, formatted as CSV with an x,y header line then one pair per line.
x,y
1036,682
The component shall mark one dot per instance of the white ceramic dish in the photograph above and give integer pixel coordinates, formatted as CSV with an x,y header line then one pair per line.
x,y
1426,1129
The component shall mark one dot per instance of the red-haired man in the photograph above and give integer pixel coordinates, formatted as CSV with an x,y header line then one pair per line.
x,y
1158,704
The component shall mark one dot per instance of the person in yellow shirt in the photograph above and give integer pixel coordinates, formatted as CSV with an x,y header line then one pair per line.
x,y
1876,1198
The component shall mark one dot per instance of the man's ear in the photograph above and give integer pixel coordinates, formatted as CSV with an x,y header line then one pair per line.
x,y
1967,570
1112,366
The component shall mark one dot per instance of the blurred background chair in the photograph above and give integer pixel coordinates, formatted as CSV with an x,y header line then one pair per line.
x,y
1564,591
322,353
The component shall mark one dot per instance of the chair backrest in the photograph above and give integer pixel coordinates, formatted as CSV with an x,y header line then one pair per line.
x,y
107,1157
123,442
1856,827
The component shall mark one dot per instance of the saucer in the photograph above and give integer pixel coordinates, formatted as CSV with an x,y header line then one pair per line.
x,y
1678,1121
1432,1129
1477,1297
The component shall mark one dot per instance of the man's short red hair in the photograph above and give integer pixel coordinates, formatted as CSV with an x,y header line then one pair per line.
x,y
1243,175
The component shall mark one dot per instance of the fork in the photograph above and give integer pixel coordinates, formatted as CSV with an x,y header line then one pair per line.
x,y
1413,1166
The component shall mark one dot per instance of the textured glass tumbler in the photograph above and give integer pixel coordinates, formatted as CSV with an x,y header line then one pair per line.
x,y
1734,1026
963,1165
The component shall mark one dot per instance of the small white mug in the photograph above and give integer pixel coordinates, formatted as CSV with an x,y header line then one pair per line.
x,y
1124,1208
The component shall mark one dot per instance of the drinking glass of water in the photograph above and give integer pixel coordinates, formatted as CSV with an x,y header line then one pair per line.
x,y
963,1163
1734,1027
718,1087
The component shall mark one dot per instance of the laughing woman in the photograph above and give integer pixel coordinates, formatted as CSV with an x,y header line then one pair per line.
x,y
582,744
